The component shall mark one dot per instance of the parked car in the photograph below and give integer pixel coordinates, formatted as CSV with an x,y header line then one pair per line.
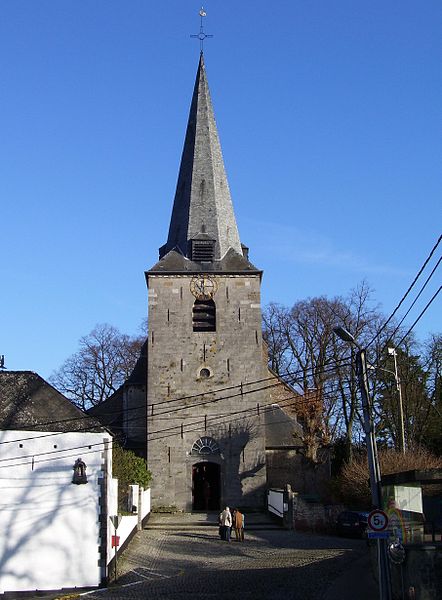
x,y
352,523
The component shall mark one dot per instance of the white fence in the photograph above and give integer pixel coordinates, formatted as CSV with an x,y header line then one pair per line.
x,y
128,523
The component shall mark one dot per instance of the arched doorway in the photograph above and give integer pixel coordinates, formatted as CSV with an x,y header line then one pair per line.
x,y
205,486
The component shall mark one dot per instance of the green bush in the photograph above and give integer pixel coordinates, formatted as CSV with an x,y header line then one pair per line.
x,y
129,469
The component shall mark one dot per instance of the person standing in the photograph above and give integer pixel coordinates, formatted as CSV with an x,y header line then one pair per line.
x,y
238,525
226,523
233,521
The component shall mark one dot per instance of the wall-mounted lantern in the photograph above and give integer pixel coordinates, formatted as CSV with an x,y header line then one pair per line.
x,y
79,476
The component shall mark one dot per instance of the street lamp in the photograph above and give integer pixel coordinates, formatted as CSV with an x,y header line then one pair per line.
x,y
392,352
372,455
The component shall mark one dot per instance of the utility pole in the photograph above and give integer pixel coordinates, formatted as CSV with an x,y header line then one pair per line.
x,y
373,460
392,352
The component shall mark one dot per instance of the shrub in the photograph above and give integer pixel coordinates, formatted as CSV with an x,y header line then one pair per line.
x,y
129,469
352,486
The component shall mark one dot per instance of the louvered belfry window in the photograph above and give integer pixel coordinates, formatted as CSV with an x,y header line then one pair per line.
x,y
204,315
203,250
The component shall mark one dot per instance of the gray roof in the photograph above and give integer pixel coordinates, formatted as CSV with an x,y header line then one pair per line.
x,y
28,402
110,411
174,262
282,430
139,373
202,207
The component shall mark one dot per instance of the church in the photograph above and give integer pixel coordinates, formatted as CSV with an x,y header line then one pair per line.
x,y
201,404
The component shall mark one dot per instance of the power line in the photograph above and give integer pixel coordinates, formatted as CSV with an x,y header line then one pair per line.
x,y
58,451
175,400
240,394
413,303
301,400
44,460
407,292
421,314
202,422
294,395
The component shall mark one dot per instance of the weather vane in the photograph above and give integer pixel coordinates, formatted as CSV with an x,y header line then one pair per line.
x,y
201,35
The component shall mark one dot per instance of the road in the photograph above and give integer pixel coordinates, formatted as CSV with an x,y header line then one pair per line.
x,y
177,557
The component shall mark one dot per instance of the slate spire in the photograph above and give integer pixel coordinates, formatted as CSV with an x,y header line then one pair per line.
x,y
202,210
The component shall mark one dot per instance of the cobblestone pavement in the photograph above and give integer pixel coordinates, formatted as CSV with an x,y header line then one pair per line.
x,y
184,561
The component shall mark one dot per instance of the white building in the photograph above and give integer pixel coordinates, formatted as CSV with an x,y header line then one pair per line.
x,y
54,533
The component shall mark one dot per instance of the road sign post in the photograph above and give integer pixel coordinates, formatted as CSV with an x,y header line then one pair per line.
x,y
116,520
377,520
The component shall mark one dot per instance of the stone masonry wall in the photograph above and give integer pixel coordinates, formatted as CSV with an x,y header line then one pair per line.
x,y
183,406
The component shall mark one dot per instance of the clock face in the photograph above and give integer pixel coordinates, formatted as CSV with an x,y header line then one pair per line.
x,y
203,287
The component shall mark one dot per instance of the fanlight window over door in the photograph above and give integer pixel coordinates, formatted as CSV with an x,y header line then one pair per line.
x,y
205,445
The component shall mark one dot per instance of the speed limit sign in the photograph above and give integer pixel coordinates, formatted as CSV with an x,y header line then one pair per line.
x,y
377,520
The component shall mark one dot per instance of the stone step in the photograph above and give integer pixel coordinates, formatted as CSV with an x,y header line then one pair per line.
x,y
198,526
202,521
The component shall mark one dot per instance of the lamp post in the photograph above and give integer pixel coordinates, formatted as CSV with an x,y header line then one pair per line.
x,y
399,388
372,455
392,352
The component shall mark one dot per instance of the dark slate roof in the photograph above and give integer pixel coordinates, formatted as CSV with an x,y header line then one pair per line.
x,y
282,430
139,374
202,205
28,402
110,412
175,262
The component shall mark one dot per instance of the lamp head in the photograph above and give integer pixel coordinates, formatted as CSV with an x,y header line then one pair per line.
x,y
345,335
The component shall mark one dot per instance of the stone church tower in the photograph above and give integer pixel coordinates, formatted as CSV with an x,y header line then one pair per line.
x,y
205,368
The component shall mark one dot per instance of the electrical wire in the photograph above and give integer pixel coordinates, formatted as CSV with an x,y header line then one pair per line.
x,y
406,293
45,460
413,303
180,399
202,422
421,314
252,410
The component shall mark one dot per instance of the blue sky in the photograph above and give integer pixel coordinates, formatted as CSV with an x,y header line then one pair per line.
x,y
329,114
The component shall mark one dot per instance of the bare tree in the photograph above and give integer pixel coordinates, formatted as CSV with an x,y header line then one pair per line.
x,y
304,350
104,361
363,319
277,344
300,350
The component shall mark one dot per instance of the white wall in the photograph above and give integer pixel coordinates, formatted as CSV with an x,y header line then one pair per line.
x,y
50,531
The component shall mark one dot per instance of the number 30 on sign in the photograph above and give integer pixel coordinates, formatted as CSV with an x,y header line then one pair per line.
x,y
377,520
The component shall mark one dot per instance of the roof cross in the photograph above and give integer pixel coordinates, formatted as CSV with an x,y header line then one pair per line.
x,y
201,35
